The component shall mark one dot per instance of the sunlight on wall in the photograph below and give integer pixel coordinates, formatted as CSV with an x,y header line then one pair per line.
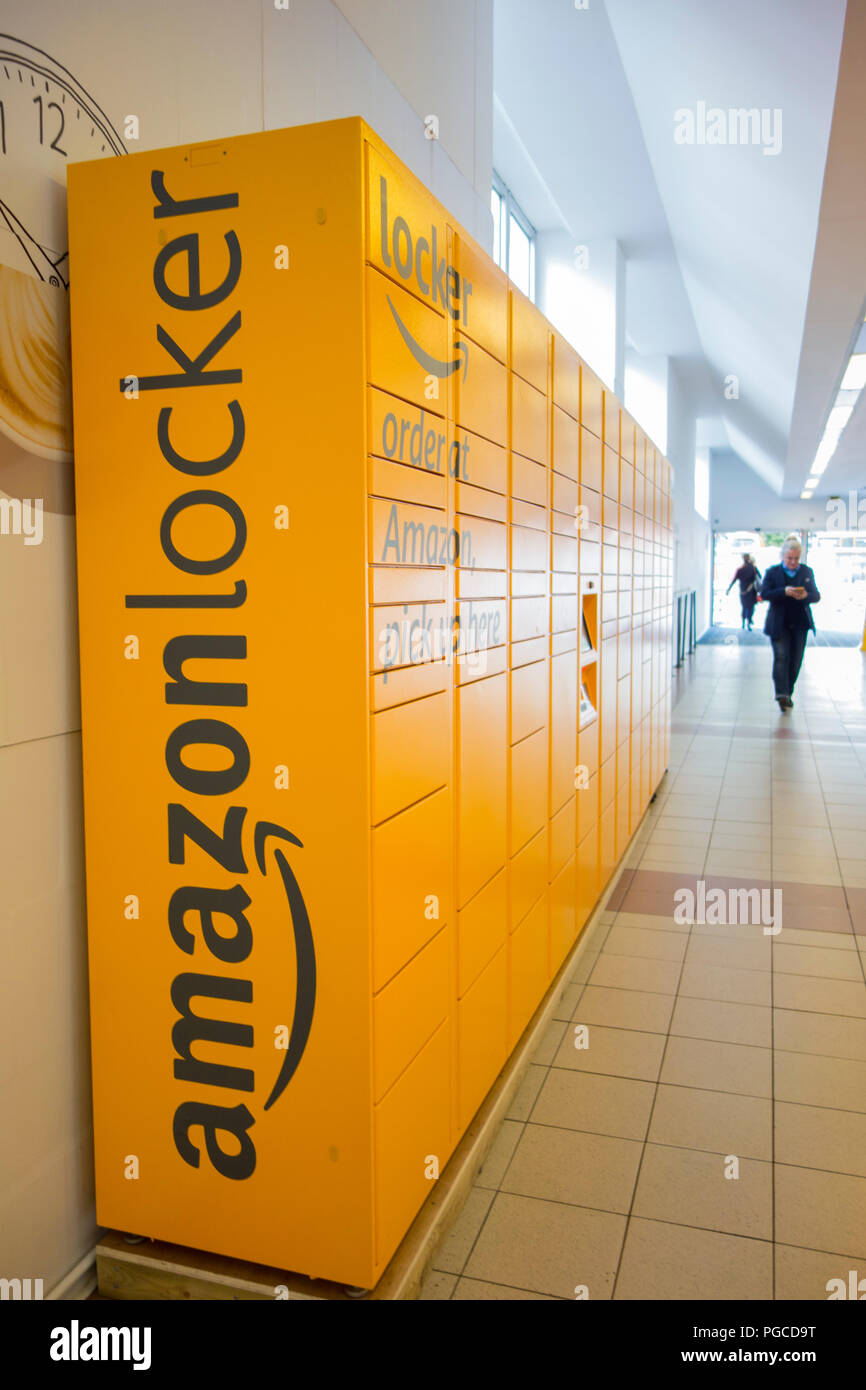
x,y
582,307
646,395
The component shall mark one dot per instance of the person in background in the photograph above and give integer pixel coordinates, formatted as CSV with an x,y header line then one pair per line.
x,y
789,591
748,575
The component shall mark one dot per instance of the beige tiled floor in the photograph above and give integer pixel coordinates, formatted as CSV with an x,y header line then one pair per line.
x,y
703,1134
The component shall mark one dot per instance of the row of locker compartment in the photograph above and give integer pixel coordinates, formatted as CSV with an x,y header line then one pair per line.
x,y
418,1017
543,768
446,969
626,697
404,533
416,584
550,595
404,530
405,688
425,583
406,540
436,449
414,647
513,967
406,944
644,652
392,503
575,510
592,519
416,857
530,484
389,584
418,631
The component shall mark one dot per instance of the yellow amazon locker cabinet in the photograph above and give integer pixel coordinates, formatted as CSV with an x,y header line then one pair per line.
x,y
354,730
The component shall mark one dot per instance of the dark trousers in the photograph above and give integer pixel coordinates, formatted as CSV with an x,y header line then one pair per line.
x,y
788,649
747,603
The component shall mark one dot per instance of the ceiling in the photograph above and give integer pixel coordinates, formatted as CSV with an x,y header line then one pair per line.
x,y
838,290
719,239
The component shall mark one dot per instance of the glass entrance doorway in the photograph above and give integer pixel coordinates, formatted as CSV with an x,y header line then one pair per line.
x,y
838,559
728,550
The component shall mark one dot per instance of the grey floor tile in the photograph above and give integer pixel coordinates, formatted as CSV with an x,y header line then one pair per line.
x,y
627,972
814,1137
819,996
612,1051
625,1008
817,963
734,953
718,1066
563,1165
820,1210
731,985
713,1120
837,1082
664,1261
826,1035
722,1021
648,945
602,1104
690,1188
548,1247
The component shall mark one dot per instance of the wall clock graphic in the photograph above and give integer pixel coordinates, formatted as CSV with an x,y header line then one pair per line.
x,y
47,119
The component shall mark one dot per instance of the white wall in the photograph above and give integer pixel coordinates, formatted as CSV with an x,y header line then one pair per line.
x,y
440,58
692,534
740,500
647,390
581,290
394,64
191,70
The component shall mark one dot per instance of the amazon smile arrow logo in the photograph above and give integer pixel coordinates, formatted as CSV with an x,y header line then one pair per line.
x,y
305,954
432,277
432,365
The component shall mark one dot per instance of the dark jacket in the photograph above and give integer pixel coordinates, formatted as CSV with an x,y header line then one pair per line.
x,y
783,611
746,576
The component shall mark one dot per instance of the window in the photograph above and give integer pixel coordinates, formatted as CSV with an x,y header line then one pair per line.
x,y
513,239
519,256
497,208
702,483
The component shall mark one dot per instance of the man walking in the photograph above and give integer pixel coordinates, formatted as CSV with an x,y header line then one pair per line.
x,y
789,590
